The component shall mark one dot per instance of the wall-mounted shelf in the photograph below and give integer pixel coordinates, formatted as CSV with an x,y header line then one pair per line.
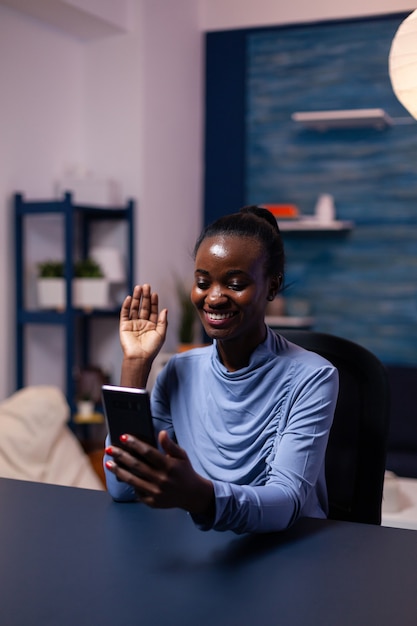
x,y
349,118
289,321
311,223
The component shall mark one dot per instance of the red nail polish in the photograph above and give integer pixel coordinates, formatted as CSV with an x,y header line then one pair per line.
x,y
109,464
109,450
124,438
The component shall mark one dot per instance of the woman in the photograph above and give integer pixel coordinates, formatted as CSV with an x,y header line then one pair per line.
x,y
243,423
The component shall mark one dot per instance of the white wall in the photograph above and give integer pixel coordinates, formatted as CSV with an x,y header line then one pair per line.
x,y
128,107
40,116
144,128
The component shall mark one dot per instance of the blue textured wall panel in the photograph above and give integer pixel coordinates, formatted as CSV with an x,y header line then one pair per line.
x,y
361,285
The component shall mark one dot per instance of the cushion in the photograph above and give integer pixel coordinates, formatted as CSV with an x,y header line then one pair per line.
x,y
36,443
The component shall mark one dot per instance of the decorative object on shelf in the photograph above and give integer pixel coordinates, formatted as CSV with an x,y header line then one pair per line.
x,y
325,210
90,287
85,409
323,219
89,381
402,63
51,285
282,211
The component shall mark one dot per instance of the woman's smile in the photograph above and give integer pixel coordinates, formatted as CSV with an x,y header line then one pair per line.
x,y
216,316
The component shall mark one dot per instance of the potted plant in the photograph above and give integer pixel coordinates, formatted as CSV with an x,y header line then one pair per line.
x,y
90,288
187,319
51,285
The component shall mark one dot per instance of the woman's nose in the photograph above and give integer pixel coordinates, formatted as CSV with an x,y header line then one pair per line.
x,y
215,295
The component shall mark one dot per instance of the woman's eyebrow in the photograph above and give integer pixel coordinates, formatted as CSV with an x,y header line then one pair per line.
x,y
235,273
228,273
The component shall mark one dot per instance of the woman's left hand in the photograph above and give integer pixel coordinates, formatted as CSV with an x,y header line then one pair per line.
x,y
161,479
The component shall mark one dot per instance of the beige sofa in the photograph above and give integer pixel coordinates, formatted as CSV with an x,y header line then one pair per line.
x,y
37,444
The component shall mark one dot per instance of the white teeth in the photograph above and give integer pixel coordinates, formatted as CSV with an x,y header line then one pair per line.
x,y
219,316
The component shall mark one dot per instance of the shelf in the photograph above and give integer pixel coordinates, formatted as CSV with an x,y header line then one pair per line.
x,y
288,321
39,207
94,418
78,222
46,316
349,118
311,223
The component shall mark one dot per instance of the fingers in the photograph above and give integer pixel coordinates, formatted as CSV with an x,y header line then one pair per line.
x,y
170,447
125,310
140,486
136,455
141,459
142,472
162,323
131,305
142,304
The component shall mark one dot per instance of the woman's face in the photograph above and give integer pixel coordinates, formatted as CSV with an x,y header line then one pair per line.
x,y
231,290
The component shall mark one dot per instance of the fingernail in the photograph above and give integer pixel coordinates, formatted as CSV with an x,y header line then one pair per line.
x,y
109,450
124,438
110,465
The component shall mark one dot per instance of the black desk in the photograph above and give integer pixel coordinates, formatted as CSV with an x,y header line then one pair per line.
x,y
73,557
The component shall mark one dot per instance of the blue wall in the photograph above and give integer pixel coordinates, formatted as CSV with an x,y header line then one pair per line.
x,y
362,285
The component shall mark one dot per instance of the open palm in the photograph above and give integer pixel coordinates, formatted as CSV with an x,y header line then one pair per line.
x,y
142,327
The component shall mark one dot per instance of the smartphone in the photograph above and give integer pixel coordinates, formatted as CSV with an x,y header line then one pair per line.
x,y
128,410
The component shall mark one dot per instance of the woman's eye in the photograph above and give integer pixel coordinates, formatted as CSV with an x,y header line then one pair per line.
x,y
201,284
237,286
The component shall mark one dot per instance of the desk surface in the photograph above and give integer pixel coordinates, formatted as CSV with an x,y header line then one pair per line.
x,y
74,557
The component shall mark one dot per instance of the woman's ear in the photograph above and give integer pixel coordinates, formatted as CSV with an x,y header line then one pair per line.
x,y
274,286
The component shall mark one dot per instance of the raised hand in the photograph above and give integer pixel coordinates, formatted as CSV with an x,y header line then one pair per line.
x,y
142,328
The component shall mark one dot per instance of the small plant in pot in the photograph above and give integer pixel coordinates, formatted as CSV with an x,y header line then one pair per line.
x,y
87,268
90,288
51,284
51,269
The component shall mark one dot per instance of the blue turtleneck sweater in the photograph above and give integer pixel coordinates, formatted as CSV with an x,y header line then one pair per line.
x,y
259,433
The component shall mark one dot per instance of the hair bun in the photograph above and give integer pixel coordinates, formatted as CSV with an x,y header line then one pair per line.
x,y
262,213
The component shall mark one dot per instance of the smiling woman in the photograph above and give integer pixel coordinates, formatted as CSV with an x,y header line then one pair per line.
x,y
238,270
243,423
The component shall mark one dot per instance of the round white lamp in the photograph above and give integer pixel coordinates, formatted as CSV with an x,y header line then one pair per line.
x,y
402,63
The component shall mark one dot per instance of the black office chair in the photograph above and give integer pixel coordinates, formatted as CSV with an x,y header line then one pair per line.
x,y
356,452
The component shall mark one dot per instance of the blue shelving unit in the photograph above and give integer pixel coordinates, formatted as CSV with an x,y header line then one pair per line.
x,y
78,220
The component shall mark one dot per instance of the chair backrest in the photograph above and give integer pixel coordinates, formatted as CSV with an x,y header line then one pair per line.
x,y
356,452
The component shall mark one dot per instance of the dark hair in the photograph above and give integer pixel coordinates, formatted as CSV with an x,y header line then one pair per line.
x,y
255,222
